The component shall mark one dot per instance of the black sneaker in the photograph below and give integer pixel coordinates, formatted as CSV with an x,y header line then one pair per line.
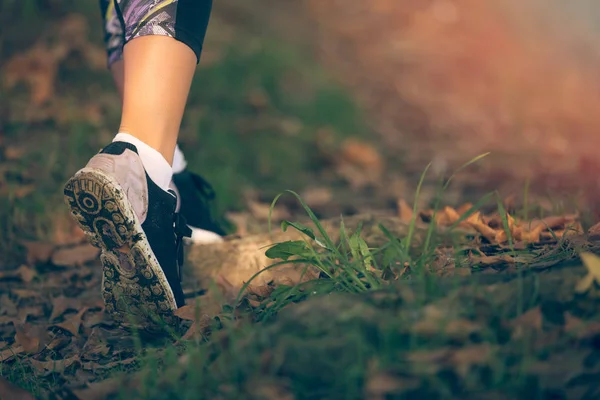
x,y
134,223
195,196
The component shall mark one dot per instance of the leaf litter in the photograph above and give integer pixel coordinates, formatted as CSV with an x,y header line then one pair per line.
x,y
56,324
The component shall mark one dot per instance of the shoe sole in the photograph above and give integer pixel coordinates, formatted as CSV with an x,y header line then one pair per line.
x,y
134,287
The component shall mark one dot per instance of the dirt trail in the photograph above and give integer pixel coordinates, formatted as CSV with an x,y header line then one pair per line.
x,y
446,80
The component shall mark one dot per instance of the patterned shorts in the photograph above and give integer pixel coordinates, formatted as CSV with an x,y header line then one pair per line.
x,y
184,20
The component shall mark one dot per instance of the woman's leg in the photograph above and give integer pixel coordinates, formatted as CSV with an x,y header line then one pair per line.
x,y
194,193
158,72
120,198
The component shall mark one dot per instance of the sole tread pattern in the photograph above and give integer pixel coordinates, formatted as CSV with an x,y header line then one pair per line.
x,y
134,287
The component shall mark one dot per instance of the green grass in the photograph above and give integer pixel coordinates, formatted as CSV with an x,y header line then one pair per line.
x,y
327,338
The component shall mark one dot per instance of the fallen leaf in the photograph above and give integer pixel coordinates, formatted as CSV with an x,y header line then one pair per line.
x,y
94,366
22,191
75,256
94,319
38,252
464,208
58,342
95,347
23,273
25,293
361,154
37,67
202,314
54,366
466,357
260,291
405,211
61,304
270,389
25,312
317,196
7,306
11,352
579,328
28,337
258,99
530,320
554,222
12,392
73,323
65,231
383,385
594,232
99,390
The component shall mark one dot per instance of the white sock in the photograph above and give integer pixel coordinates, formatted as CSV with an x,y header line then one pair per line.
x,y
156,166
179,162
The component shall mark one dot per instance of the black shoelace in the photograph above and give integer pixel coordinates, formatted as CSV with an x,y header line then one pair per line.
x,y
182,230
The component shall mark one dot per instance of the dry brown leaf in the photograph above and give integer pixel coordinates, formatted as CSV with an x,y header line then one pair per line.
x,y
23,273
254,303
26,312
73,323
37,68
54,366
466,357
59,342
405,211
99,390
483,229
95,347
260,291
94,319
464,208
94,366
362,155
7,306
492,261
12,392
61,304
258,99
381,385
38,252
10,352
579,328
65,231
202,314
267,389
317,196
75,256
28,337
25,293
554,222
13,153
594,232
22,191
530,320
26,274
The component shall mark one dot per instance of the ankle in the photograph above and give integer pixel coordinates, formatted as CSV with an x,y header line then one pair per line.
x,y
155,164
